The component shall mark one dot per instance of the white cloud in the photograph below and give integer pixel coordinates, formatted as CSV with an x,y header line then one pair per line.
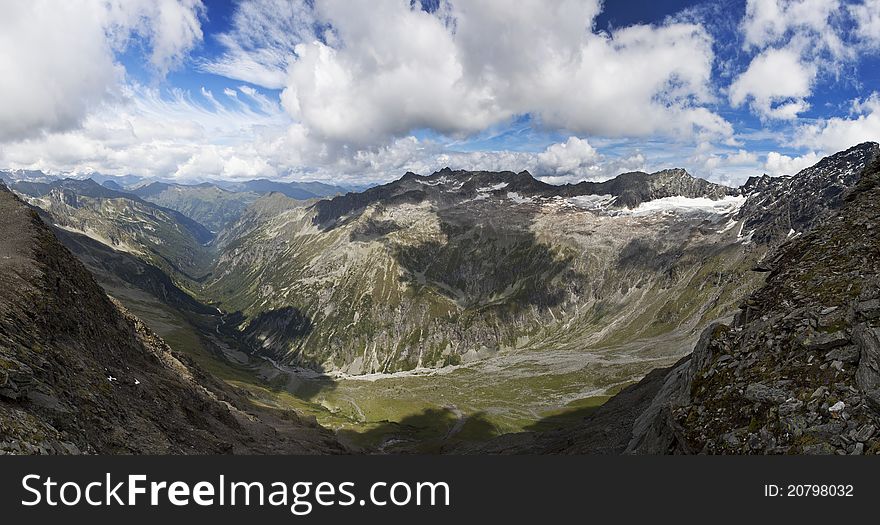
x,y
359,77
839,133
741,158
57,59
778,164
147,134
364,73
261,43
603,169
867,16
777,83
172,27
570,157
796,42
568,162
774,22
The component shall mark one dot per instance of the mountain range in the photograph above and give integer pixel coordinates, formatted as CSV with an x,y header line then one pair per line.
x,y
458,309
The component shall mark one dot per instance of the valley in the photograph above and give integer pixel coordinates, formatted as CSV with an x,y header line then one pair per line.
x,y
443,310
424,409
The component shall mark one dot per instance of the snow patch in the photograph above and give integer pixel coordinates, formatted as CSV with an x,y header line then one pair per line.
x,y
747,238
519,199
443,181
689,205
496,187
727,227
592,202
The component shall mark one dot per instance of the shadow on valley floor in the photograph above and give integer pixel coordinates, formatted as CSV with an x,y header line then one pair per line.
x,y
431,431
446,430
563,419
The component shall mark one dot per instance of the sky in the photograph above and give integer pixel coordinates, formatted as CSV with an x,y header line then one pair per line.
x,y
359,92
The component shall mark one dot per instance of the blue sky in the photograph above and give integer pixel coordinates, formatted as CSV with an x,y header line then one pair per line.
x,y
364,91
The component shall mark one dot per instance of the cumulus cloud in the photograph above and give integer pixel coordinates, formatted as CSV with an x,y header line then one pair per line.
x,y
365,73
741,158
571,156
838,133
171,26
867,16
778,164
57,59
796,41
774,22
777,83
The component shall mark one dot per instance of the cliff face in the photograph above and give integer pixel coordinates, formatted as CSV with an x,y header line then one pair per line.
x,y
799,369
78,374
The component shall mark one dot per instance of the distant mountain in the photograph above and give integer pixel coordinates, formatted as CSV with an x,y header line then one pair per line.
x,y
626,190
205,203
115,181
10,176
635,188
294,190
217,205
113,185
125,222
82,375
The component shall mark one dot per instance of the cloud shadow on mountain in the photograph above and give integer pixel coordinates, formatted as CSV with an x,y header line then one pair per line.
x,y
490,258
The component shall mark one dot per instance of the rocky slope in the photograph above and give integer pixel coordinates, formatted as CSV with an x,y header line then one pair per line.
x,y
797,371
781,207
455,266
78,374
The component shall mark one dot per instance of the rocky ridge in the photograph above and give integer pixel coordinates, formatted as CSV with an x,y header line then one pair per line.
x,y
79,374
797,371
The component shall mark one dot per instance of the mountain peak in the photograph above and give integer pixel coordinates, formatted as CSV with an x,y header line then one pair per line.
x,y
635,187
673,173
